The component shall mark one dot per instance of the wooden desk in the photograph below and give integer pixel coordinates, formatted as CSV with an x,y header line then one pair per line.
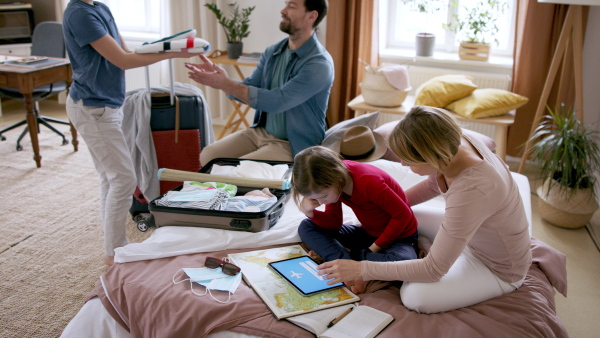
x,y
221,57
26,80
501,123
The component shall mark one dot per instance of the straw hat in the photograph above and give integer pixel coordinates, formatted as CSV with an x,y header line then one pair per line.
x,y
360,143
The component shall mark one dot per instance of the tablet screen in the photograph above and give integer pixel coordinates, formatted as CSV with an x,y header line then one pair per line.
x,y
302,273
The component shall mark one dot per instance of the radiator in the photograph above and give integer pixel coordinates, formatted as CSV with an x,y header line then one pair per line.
x,y
135,78
419,75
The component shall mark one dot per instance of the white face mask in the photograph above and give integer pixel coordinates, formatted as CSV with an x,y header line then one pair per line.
x,y
212,279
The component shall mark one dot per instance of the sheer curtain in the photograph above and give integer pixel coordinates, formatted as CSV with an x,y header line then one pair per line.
x,y
538,29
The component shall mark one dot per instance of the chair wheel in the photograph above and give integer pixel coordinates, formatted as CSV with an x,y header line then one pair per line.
x,y
142,225
65,142
2,138
19,148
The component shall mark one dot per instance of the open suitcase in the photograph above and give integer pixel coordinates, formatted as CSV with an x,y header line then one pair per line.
x,y
228,220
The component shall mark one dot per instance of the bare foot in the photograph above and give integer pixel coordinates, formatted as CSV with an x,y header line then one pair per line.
x,y
315,256
357,286
108,260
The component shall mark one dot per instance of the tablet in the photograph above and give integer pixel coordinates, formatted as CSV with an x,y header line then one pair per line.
x,y
302,273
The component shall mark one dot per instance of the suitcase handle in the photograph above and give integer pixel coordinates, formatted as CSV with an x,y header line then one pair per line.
x,y
177,118
278,209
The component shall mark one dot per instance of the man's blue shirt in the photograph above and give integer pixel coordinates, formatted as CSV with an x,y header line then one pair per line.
x,y
304,96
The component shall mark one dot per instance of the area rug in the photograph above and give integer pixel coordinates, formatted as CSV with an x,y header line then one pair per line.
x,y
51,238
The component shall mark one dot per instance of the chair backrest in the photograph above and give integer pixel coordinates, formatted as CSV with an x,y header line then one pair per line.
x,y
48,40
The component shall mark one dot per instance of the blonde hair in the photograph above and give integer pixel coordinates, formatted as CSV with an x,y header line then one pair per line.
x,y
315,169
426,135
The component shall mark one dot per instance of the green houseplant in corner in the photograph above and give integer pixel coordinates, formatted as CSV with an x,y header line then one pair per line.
x,y
475,27
236,27
568,155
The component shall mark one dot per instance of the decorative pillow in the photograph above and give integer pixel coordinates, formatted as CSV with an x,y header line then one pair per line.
x,y
442,90
386,130
487,102
335,133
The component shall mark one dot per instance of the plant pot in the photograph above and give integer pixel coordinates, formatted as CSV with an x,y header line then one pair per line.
x,y
566,210
234,50
474,51
425,42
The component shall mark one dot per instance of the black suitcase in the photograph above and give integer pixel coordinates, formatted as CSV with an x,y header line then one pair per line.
x,y
228,220
163,119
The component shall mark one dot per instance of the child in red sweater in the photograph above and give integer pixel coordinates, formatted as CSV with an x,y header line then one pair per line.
x,y
388,230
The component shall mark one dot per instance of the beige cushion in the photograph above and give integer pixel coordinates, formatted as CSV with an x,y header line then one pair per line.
x,y
386,130
442,90
487,102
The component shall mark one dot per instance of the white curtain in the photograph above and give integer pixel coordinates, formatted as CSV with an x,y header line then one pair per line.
x,y
187,14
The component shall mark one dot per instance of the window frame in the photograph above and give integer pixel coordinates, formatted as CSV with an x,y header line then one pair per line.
x,y
446,52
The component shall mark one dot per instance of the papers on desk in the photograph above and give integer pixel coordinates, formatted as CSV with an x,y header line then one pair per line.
x,y
31,62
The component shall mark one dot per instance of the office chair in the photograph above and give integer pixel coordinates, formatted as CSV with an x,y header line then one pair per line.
x,y
47,40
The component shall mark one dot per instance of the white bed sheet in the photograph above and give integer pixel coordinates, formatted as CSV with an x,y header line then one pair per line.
x,y
94,321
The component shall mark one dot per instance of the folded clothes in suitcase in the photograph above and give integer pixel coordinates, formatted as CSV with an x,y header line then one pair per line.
x,y
220,219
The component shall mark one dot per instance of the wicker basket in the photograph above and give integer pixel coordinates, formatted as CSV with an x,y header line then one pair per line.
x,y
565,210
377,91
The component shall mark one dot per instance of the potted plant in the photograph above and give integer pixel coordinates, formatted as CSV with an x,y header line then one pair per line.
x,y
425,42
568,156
475,27
236,27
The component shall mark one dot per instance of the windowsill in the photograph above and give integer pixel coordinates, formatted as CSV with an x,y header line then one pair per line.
x,y
495,64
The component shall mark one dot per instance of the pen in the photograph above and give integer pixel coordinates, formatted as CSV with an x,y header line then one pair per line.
x,y
335,321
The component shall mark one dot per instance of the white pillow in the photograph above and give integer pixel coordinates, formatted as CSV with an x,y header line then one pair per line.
x,y
335,133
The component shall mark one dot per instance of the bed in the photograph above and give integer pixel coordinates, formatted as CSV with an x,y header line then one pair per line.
x,y
150,305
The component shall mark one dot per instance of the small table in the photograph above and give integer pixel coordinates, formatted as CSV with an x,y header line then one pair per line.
x,y
501,123
26,80
221,57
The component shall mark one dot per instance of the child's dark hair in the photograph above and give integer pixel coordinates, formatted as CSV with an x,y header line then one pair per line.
x,y
317,168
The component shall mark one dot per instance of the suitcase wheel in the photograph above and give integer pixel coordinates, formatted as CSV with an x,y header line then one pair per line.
x,y
138,217
145,222
142,225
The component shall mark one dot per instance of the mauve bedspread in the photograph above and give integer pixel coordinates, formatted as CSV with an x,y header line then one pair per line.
x,y
143,298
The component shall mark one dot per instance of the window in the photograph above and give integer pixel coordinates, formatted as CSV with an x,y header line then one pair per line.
x,y
400,23
136,17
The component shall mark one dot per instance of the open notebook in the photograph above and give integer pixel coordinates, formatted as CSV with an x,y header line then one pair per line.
x,y
361,322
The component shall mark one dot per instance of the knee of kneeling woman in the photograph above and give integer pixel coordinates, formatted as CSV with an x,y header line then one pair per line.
x,y
416,298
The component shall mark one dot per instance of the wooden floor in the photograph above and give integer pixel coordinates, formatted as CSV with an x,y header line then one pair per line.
x,y
580,312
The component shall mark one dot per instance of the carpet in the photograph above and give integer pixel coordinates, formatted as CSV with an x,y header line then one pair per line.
x,y
51,237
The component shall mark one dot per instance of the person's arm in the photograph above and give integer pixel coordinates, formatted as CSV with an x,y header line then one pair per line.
x,y
422,191
464,214
401,214
315,76
210,74
110,49
331,218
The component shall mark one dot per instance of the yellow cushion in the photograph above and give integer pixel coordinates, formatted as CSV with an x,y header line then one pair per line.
x,y
441,90
487,102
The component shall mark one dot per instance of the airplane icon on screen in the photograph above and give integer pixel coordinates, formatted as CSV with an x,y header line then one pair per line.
x,y
296,274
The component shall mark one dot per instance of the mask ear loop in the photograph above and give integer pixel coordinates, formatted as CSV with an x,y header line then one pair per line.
x,y
191,284
220,301
183,280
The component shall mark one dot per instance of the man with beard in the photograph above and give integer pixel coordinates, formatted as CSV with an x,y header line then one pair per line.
x,y
289,89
